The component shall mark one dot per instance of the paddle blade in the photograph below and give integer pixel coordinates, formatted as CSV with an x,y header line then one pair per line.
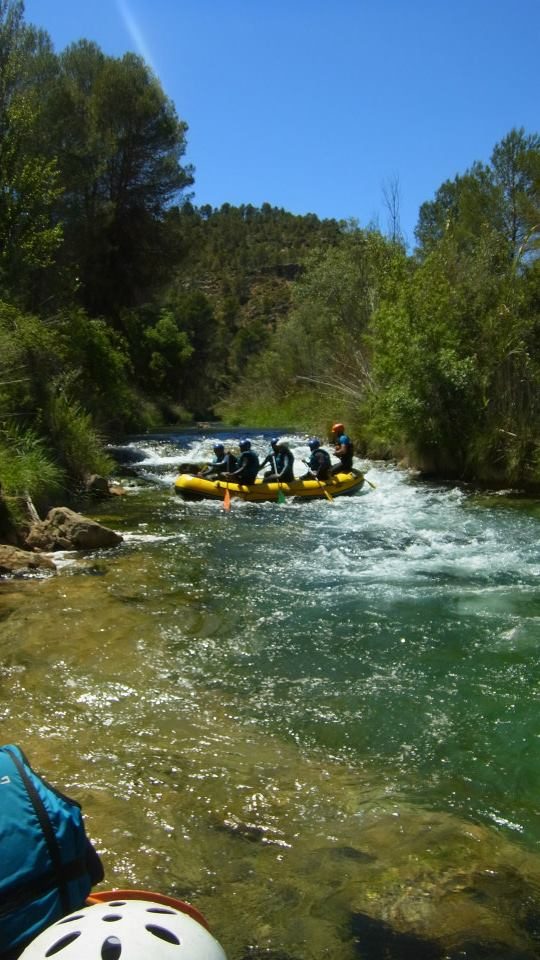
x,y
328,496
281,496
227,500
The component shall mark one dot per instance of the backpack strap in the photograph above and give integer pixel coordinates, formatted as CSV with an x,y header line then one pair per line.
x,y
59,877
38,887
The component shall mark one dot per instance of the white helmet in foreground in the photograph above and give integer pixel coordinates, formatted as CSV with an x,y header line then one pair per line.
x,y
125,930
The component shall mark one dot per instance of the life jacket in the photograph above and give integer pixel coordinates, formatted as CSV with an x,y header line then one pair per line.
x,y
285,465
347,456
47,863
249,462
320,463
226,464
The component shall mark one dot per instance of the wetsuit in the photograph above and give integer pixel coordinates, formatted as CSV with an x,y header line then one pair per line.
x,y
248,468
269,458
283,461
345,455
225,464
319,463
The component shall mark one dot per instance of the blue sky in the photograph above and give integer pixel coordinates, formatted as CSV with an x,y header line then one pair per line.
x,y
314,105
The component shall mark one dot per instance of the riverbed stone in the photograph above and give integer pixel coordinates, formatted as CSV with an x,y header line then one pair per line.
x,y
15,562
437,883
63,529
97,485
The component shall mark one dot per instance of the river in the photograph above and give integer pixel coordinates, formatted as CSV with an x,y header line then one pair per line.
x,y
316,721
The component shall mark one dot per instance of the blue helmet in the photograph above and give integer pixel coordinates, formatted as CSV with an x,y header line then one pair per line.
x,y
314,443
274,441
245,444
219,448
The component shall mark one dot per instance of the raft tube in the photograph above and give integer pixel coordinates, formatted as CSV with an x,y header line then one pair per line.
x,y
190,487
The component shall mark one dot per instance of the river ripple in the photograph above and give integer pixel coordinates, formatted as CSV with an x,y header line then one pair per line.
x,y
316,721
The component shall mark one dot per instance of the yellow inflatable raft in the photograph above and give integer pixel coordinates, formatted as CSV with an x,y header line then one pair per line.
x,y
196,488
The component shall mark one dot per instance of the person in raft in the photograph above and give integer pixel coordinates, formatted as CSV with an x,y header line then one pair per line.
x,y
270,457
320,467
248,465
343,449
283,462
223,462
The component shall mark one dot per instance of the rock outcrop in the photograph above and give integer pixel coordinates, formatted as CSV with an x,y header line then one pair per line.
x,y
15,562
63,529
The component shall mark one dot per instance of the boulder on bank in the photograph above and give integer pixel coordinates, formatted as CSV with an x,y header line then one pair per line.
x,y
19,562
63,529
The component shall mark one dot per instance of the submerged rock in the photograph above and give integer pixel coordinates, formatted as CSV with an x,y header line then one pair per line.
x,y
188,466
256,833
126,454
441,888
96,485
63,529
102,487
377,940
351,853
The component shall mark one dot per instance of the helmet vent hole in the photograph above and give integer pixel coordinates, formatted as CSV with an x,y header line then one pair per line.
x,y
111,917
117,903
163,934
111,949
71,918
161,910
62,943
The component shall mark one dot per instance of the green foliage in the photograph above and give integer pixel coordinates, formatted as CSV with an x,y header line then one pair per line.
x,y
119,144
95,369
25,466
169,349
456,366
503,196
321,348
29,235
73,435
304,408
120,308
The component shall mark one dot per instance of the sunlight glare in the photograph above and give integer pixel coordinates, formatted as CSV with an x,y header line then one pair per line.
x,y
135,34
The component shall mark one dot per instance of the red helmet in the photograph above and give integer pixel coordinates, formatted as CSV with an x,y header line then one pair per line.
x,y
338,428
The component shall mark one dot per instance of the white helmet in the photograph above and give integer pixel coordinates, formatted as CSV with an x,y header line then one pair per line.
x,y
125,930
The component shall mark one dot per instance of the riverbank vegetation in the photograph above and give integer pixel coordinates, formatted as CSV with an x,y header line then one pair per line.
x,y
123,306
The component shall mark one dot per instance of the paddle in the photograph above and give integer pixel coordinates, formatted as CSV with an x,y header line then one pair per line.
x,y
280,495
227,500
359,473
324,490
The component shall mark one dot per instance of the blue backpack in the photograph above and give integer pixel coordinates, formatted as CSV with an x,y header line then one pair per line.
x,y
47,863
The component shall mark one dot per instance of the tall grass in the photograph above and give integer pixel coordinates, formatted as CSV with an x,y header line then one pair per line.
x,y
26,469
78,445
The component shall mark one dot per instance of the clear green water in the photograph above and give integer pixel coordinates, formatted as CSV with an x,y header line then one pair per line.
x,y
299,716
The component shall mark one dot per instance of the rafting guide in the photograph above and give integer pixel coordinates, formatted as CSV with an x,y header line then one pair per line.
x,y
343,449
